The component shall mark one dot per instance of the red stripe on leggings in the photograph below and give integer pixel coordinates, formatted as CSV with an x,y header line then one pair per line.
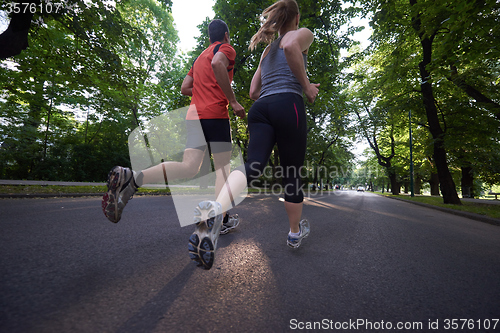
x,y
297,113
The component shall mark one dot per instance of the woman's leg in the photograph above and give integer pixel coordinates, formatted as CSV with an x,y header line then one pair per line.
x,y
294,212
235,184
291,136
262,141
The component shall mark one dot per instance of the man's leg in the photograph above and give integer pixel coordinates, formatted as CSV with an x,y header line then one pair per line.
x,y
186,169
123,183
222,169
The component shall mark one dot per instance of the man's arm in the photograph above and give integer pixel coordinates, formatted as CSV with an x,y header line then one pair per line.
x,y
219,65
187,86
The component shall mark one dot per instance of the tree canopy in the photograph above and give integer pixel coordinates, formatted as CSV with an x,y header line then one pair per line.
x,y
76,82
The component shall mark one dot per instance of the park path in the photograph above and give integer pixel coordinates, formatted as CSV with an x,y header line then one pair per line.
x,y
368,260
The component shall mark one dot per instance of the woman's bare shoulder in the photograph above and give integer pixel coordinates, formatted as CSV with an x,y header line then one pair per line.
x,y
303,36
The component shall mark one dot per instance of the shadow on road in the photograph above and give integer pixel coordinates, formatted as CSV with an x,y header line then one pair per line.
x,y
146,319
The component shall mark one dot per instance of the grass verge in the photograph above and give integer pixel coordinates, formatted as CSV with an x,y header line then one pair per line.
x,y
467,206
472,207
56,189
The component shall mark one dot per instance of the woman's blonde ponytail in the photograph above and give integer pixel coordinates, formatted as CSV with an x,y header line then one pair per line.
x,y
274,17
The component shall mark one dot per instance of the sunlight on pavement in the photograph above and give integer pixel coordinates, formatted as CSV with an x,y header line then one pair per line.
x,y
241,278
318,203
396,216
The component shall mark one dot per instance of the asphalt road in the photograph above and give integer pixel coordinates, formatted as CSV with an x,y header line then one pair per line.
x,y
369,264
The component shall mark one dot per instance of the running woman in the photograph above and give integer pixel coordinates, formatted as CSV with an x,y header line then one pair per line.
x,y
209,84
277,117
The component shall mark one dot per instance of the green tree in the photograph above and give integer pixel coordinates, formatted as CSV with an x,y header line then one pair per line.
x,y
436,38
95,22
69,100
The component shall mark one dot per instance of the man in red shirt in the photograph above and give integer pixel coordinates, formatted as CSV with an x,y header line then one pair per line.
x,y
209,84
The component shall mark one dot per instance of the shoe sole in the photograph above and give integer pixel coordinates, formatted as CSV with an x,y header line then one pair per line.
x,y
114,178
202,253
201,247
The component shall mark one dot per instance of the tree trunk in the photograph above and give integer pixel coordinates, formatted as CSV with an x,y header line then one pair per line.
x,y
395,187
418,185
446,183
15,38
450,195
434,182
467,182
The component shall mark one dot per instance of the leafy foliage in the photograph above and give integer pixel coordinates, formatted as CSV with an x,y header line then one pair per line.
x,y
97,70
90,76
447,43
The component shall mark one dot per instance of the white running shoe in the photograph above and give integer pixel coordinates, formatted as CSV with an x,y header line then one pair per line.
x,y
305,229
230,222
203,242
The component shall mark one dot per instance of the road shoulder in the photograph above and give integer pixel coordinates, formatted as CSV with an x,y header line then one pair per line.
x,y
473,216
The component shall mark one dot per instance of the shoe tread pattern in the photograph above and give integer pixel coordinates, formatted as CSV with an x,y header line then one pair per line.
x,y
202,253
109,200
203,241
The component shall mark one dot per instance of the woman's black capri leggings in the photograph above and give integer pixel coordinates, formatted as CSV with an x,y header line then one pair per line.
x,y
278,119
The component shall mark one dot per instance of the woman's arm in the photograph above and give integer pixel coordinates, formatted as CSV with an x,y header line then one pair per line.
x,y
256,84
294,44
